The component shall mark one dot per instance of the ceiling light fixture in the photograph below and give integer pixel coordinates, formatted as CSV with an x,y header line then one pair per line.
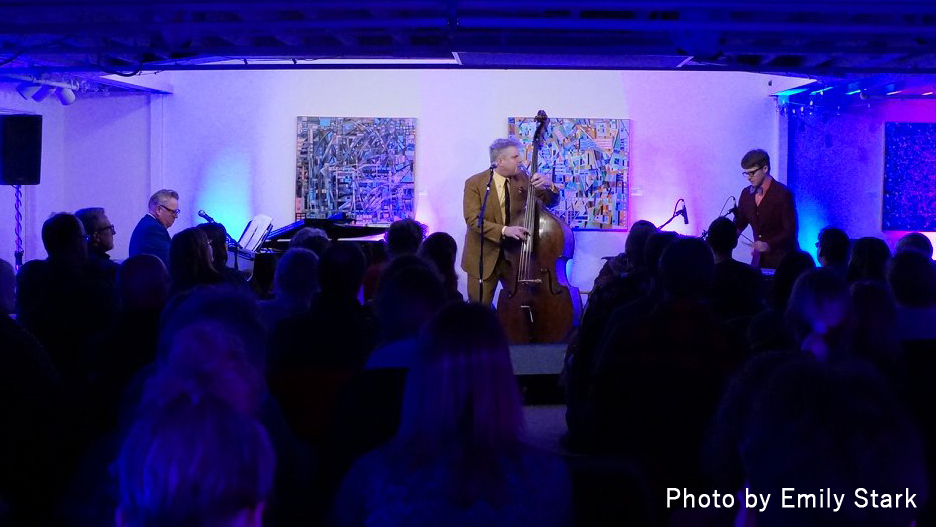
x,y
27,89
44,91
65,96
39,89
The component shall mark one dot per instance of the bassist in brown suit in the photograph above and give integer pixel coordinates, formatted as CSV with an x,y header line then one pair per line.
x,y
505,203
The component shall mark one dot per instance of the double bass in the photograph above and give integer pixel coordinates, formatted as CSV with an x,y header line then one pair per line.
x,y
537,304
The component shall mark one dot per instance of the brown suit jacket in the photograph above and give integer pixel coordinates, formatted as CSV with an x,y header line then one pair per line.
x,y
493,218
773,221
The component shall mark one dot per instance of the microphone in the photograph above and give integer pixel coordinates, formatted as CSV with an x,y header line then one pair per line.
x,y
493,166
205,215
681,212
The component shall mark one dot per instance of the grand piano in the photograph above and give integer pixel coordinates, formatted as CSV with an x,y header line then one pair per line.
x,y
278,240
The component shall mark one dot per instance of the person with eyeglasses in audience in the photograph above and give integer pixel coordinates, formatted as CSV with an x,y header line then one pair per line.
x,y
151,235
100,233
767,206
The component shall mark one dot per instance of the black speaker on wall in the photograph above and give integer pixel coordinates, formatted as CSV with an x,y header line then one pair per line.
x,y
20,149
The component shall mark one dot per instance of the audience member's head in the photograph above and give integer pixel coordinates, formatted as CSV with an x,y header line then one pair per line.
x,y
164,206
819,314
636,243
462,403
408,294
912,279
915,241
195,462
737,288
687,267
791,267
404,237
217,239
207,357
656,242
341,270
7,288
264,271
875,324
722,237
440,249
833,247
99,229
722,458
376,252
312,239
868,259
838,427
297,276
190,260
233,310
64,238
143,283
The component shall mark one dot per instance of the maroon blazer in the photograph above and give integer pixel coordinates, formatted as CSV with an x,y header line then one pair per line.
x,y
773,221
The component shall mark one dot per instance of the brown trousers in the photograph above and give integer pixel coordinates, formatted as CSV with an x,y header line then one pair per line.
x,y
501,272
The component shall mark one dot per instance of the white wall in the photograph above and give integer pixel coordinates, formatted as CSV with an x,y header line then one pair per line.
x,y
107,149
226,140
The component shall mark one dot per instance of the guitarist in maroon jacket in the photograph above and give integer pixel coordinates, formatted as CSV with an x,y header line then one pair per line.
x,y
767,206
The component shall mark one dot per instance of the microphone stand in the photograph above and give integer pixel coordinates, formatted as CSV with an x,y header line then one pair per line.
x,y
733,210
673,217
237,249
231,242
487,193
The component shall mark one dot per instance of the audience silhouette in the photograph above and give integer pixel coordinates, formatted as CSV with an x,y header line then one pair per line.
x,y
143,394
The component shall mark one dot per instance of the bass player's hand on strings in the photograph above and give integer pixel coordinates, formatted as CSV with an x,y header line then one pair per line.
x,y
516,232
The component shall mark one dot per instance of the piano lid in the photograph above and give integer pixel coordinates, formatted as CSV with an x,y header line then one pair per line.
x,y
335,231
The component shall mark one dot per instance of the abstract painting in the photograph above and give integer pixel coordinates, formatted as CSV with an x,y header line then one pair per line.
x,y
588,160
909,177
356,168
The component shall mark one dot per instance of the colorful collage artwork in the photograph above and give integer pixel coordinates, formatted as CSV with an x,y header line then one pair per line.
x,y
360,169
588,160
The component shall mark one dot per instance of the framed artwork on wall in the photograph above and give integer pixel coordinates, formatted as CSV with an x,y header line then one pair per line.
x,y
356,168
589,161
